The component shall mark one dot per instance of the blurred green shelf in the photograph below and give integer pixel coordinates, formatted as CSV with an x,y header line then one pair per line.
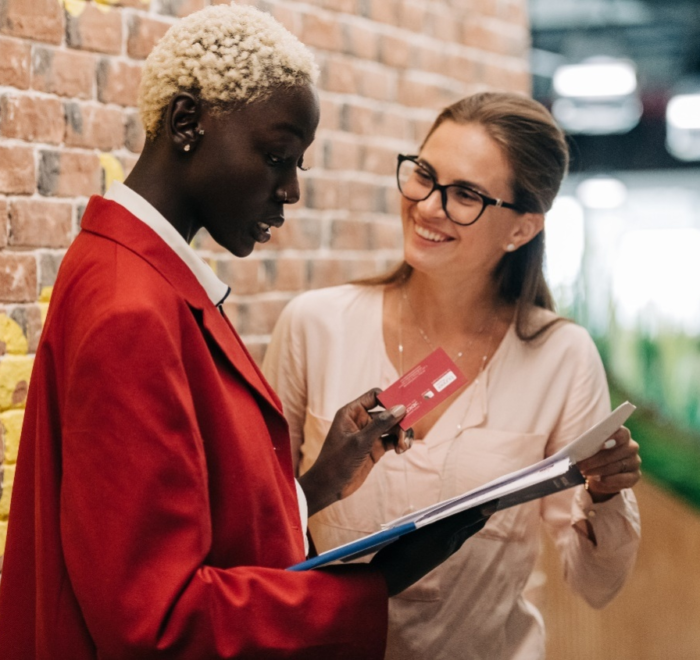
x,y
670,454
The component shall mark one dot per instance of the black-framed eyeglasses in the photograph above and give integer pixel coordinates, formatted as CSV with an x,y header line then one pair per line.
x,y
462,205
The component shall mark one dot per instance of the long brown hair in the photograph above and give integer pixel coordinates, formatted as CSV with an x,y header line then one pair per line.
x,y
538,155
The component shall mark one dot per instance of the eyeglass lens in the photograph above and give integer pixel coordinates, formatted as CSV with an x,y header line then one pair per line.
x,y
461,204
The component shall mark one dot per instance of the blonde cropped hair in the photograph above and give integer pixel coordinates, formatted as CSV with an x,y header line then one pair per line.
x,y
226,54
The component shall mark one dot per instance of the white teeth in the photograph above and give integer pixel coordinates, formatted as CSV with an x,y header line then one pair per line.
x,y
429,235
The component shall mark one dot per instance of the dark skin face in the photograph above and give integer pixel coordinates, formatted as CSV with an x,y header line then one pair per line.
x,y
237,176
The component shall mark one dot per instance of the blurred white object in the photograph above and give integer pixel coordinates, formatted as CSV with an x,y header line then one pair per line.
x,y
683,126
602,193
597,96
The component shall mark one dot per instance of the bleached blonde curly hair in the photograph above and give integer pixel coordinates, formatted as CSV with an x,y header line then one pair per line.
x,y
226,54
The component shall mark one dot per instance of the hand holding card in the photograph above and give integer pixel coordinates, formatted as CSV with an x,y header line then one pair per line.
x,y
424,387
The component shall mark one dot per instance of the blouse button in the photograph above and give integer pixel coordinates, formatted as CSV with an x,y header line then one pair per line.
x,y
591,514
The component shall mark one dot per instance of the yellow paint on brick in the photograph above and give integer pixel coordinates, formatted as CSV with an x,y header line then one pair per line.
x,y
73,7
12,335
15,371
8,478
112,168
11,421
3,536
44,298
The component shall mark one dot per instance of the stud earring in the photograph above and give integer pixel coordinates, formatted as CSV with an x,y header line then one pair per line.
x,y
510,247
188,147
200,131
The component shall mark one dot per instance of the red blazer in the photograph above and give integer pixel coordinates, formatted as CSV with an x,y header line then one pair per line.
x,y
154,506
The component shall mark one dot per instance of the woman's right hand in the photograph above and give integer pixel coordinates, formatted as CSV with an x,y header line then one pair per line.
x,y
408,559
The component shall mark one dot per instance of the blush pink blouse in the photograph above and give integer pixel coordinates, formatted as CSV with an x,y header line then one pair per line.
x,y
532,399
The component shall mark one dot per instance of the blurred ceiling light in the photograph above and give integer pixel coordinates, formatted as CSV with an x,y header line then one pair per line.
x,y
596,79
602,193
597,97
683,126
565,241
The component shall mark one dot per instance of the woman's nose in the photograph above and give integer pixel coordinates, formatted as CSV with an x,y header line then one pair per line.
x,y
432,204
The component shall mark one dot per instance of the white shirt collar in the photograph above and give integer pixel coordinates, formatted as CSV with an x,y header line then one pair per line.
x,y
144,211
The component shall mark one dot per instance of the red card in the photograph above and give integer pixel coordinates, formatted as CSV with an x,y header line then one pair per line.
x,y
424,387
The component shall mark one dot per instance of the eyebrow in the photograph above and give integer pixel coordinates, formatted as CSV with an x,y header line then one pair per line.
x,y
289,128
457,182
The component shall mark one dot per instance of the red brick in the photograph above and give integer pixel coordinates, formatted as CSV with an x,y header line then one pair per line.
x,y
365,196
94,126
412,15
28,317
69,174
340,75
330,112
342,152
327,272
395,50
394,123
144,34
384,11
118,82
32,118
63,72
345,6
39,223
15,63
444,25
41,20
257,348
285,274
180,8
358,119
135,136
378,82
17,175
244,276
17,277
3,222
379,159
49,263
421,91
259,317
325,193
350,235
361,40
298,233
95,29
321,31
290,17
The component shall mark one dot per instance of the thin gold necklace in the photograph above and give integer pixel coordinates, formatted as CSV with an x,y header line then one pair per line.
x,y
426,339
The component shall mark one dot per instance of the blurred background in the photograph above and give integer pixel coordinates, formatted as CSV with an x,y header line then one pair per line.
x,y
623,78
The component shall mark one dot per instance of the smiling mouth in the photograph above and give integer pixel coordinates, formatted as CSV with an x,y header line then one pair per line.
x,y
432,236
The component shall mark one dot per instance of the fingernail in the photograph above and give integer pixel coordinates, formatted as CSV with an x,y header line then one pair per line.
x,y
609,444
397,411
409,438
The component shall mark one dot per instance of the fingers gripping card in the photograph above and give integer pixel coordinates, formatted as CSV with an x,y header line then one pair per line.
x,y
424,387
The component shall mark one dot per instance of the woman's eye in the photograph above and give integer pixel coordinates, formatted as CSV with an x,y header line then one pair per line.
x,y
423,175
466,196
274,160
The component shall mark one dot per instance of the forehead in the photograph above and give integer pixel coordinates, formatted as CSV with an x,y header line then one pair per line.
x,y
466,152
291,112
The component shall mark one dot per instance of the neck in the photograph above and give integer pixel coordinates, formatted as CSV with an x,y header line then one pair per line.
x,y
445,307
155,178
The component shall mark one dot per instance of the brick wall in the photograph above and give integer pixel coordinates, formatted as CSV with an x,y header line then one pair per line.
x,y
69,72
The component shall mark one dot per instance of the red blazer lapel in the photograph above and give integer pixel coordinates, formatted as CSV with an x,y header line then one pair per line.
x,y
112,221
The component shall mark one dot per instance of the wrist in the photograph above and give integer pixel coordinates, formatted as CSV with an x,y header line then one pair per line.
x,y
317,489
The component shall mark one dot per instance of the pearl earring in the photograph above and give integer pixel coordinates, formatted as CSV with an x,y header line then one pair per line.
x,y
510,247
200,131
188,147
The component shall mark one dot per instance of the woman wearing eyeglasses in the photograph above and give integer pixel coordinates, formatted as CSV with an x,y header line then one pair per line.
x,y
472,208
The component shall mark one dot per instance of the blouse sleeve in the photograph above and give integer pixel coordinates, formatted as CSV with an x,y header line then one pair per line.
x,y
597,543
284,367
